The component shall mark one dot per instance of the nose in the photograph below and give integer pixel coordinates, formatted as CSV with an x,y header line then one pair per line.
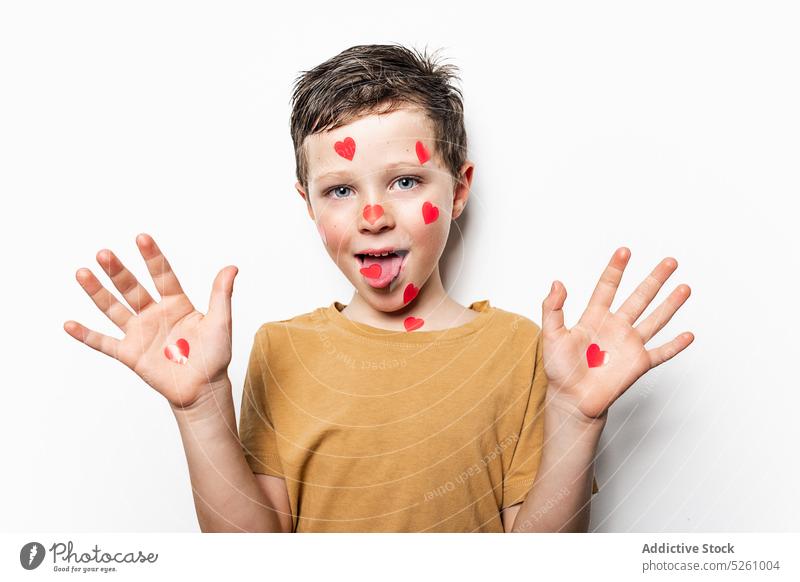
x,y
374,216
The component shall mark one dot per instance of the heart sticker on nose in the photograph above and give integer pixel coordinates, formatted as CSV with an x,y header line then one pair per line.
x,y
373,271
178,352
346,148
429,212
595,356
422,154
410,292
413,323
372,212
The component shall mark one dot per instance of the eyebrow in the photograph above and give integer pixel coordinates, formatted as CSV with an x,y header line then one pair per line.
x,y
386,169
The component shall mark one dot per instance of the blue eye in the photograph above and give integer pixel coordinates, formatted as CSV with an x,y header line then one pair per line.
x,y
338,189
405,179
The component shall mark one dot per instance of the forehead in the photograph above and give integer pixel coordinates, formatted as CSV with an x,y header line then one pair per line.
x,y
380,139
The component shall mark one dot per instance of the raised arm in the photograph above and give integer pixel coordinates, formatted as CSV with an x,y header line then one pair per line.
x,y
184,356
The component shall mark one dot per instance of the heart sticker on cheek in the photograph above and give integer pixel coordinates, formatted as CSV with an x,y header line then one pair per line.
x,y
429,212
422,154
346,148
372,212
373,271
595,356
410,292
413,323
178,352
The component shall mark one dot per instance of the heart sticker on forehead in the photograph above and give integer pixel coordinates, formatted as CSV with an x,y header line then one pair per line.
x,y
178,352
372,212
346,148
422,154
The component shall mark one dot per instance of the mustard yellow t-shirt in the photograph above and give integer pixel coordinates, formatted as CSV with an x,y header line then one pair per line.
x,y
376,430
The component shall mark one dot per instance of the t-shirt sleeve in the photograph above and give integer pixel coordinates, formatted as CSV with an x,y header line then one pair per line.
x,y
256,429
527,456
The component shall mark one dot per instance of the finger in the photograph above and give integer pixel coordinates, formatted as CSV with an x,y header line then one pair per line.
x,y
219,307
638,301
670,349
552,309
93,339
103,298
653,323
165,280
606,288
125,282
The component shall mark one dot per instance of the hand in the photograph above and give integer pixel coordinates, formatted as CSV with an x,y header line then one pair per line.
x,y
153,326
590,391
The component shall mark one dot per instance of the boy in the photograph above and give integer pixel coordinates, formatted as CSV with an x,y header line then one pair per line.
x,y
402,410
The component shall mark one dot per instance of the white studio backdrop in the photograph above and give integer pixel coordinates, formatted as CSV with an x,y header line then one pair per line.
x,y
671,128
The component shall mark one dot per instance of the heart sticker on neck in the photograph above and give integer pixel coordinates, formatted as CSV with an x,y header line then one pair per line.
x,y
595,356
422,154
372,212
346,148
410,292
178,352
373,271
413,323
429,212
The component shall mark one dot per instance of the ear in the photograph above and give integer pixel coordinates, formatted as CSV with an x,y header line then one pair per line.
x,y
304,195
461,191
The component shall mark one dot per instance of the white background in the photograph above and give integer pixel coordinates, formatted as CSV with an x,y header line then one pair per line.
x,y
671,128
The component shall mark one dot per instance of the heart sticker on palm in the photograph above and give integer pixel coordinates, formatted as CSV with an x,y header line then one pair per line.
x,y
595,356
178,352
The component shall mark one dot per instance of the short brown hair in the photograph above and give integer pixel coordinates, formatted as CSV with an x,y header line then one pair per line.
x,y
366,79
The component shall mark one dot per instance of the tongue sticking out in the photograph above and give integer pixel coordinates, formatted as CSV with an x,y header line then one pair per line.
x,y
380,271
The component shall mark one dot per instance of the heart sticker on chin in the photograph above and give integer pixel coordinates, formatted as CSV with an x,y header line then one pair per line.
x,y
178,352
372,212
410,292
429,212
423,155
372,272
595,356
346,148
411,323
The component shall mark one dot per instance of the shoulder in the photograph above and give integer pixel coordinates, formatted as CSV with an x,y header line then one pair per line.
x,y
516,324
308,321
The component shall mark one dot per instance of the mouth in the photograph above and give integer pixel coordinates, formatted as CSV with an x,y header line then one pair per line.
x,y
381,267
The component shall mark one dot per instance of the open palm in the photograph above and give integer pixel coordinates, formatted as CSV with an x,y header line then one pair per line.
x,y
590,390
153,326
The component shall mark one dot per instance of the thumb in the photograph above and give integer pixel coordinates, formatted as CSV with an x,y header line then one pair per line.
x,y
552,309
219,307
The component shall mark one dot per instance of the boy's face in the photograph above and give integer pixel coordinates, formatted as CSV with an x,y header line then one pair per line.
x,y
379,183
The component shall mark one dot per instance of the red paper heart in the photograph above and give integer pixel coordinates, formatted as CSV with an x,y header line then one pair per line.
x,y
372,212
412,323
429,212
595,356
177,352
373,271
410,292
346,148
422,153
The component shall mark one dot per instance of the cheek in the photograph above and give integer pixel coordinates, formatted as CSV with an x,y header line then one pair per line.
x,y
428,225
333,231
